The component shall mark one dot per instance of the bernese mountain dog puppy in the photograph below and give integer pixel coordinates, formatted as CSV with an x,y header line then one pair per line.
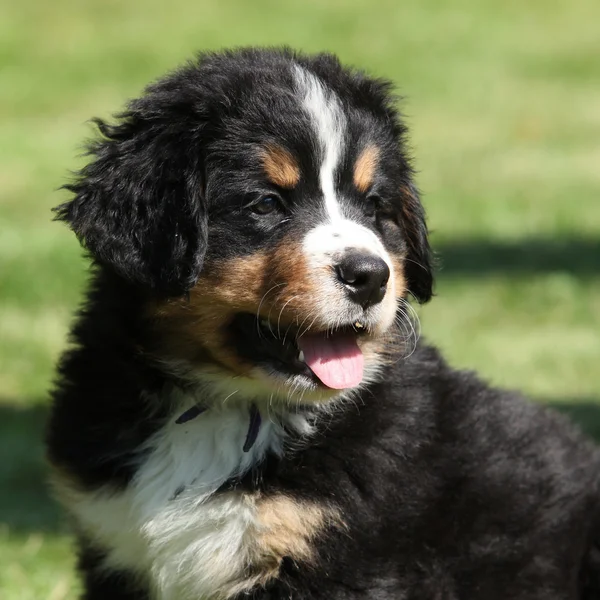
x,y
244,411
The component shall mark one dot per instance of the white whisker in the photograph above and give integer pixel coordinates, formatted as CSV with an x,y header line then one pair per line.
x,y
260,305
281,312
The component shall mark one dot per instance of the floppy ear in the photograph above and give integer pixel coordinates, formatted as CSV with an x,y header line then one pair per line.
x,y
418,269
139,206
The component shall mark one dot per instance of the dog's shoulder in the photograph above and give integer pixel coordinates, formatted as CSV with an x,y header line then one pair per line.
x,y
481,427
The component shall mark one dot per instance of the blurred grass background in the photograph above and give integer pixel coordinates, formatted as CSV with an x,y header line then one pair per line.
x,y
503,99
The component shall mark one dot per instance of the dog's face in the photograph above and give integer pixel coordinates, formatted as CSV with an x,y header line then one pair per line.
x,y
264,201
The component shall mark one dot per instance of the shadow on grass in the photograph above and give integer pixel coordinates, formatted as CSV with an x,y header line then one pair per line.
x,y
25,502
537,255
584,412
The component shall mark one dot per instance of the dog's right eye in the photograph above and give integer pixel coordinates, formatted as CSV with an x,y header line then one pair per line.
x,y
266,205
372,204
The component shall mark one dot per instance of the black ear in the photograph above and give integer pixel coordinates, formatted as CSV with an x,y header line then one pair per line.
x,y
418,269
138,205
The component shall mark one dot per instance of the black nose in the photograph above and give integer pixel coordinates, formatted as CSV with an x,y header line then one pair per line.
x,y
365,277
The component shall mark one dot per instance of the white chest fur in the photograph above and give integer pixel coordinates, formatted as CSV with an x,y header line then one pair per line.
x,y
168,526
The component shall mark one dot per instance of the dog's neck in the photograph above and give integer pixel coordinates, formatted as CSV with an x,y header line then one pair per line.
x,y
254,422
228,437
182,513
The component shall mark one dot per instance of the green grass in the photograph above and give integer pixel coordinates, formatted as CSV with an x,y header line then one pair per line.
x,y
504,104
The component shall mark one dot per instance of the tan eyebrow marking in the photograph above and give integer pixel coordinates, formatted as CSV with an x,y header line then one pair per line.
x,y
364,168
280,166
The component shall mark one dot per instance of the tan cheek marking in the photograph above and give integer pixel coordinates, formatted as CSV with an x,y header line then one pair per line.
x,y
399,280
280,282
365,167
190,326
237,282
303,286
280,166
289,270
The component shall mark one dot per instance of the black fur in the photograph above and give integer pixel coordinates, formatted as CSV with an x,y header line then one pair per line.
x,y
450,490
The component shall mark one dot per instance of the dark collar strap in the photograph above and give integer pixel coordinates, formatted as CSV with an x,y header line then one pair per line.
x,y
253,428
190,414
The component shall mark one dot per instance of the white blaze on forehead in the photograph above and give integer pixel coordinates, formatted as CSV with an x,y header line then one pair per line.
x,y
325,244
329,121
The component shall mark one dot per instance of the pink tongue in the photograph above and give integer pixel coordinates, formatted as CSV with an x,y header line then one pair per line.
x,y
337,361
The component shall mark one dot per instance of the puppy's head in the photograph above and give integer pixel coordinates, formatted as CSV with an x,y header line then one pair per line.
x,y
264,200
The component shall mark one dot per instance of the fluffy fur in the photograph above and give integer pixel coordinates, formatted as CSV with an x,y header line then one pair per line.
x,y
218,212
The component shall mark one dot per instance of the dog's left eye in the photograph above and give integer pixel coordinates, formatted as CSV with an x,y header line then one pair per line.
x,y
266,205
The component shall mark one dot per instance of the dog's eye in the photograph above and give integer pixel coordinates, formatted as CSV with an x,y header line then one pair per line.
x,y
266,205
371,204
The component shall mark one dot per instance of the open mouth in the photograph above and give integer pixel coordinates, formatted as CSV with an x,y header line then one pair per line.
x,y
329,358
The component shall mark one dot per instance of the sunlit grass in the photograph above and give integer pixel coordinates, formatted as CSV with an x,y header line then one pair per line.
x,y
29,566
